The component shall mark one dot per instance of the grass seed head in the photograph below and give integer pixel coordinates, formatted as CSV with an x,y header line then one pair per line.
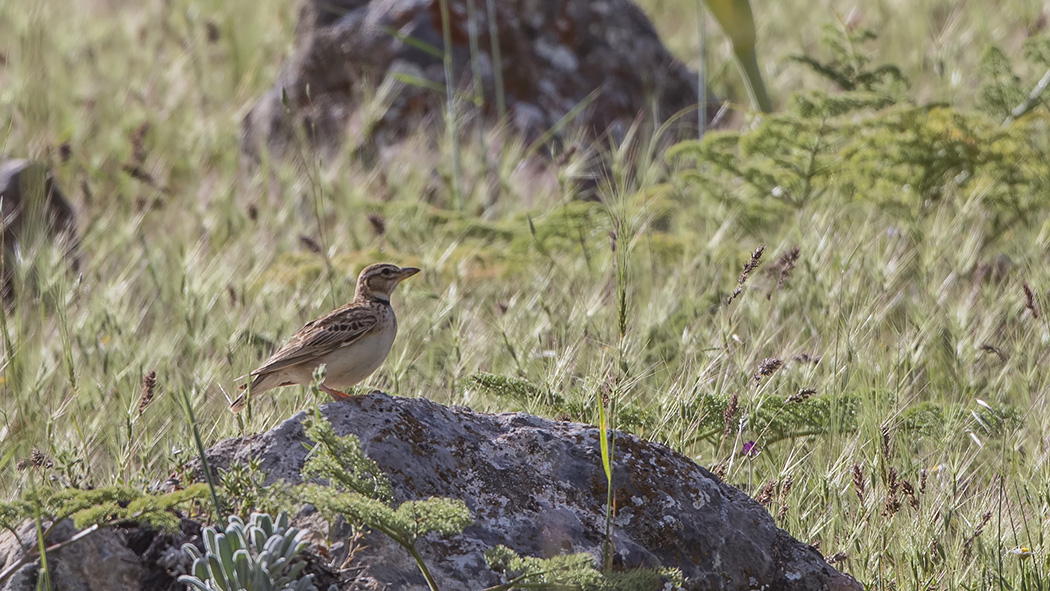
x,y
211,31
994,350
984,521
782,268
858,482
785,488
729,413
137,172
751,264
766,496
39,459
968,544
149,387
909,492
893,502
802,395
720,469
85,189
807,358
310,244
138,145
1029,300
377,222
607,390
768,367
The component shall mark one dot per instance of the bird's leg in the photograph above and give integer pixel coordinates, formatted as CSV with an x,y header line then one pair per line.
x,y
335,394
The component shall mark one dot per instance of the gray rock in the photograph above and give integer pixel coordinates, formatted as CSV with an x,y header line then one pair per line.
x,y
99,562
32,207
11,552
554,55
537,486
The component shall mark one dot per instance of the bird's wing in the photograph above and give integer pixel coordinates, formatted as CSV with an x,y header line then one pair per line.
x,y
322,336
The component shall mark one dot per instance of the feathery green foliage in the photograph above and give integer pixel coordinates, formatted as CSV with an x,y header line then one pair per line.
x,y
245,491
848,66
358,490
102,506
342,462
521,391
90,510
575,572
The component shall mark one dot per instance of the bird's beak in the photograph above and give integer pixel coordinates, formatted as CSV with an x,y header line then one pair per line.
x,y
407,272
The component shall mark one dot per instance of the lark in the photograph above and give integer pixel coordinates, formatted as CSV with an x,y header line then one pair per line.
x,y
351,342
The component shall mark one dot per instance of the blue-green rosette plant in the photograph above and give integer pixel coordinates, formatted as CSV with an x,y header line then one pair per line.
x,y
259,556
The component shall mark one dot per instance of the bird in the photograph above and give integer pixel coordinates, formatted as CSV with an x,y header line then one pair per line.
x,y
351,341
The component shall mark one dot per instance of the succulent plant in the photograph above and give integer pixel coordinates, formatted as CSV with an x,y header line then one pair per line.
x,y
259,556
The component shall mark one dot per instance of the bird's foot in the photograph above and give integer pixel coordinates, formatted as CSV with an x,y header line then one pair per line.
x,y
336,394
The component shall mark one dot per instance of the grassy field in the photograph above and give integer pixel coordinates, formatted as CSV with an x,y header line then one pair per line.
x,y
903,323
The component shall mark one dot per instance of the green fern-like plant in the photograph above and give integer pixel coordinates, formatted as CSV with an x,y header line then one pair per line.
x,y
244,489
790,159
869,142
257,556
342,462
862,147
101,506
517,389
849,65
90,511
1002,89
574,572
358,489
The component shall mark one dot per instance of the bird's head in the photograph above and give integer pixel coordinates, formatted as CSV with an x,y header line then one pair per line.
x,y
379,280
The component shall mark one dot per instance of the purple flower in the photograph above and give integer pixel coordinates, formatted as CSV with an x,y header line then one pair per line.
x,y
749,449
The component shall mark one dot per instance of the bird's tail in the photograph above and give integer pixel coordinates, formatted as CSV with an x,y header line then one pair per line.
x,y
257,387
238,405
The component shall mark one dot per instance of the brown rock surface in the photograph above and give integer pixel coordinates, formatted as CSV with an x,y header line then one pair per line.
x,y
32,207
594,65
